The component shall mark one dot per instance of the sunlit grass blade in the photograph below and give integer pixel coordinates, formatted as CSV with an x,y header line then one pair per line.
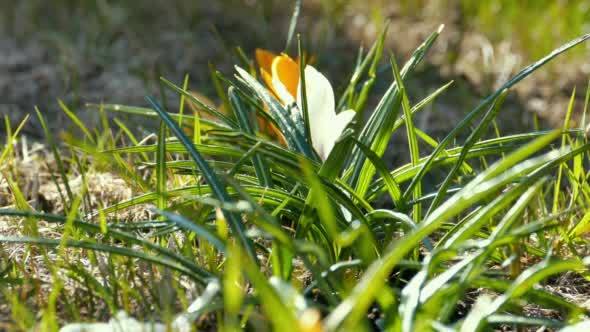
x,y
112,232
149,113
161,177
521,285
75,119
351,311
471,140
466,121
566,125
377,131
122,251
411,135
200,230
56,155
371,59
390,184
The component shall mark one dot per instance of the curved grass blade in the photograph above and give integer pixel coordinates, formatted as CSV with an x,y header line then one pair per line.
x,y
389,181
471,140
245,123
105,248
56,155
371,59
148,112
188,225
218,189
113,233
520,286
303,89
411,134
227,120
377,131
490,99
353,308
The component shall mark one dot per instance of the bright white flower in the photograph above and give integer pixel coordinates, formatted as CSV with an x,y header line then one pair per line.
x,y
325,125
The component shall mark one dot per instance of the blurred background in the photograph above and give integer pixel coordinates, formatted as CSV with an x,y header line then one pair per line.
x,y
114,51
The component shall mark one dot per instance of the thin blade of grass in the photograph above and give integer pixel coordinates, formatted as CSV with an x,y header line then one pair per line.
x,y
490,99
217,187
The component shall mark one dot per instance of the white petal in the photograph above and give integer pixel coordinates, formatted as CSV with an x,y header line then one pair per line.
x,y
333,129
319,93
320,105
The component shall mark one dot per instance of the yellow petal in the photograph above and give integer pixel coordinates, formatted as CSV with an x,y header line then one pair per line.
x,y
287,71
267,79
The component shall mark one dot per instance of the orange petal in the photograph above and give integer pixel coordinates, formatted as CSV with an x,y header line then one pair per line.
x,y
270,130
287,71
264,59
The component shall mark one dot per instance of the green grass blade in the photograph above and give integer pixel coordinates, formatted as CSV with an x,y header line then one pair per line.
x,y
292,131
371,59
230,122
217,187
411,134
303,91
377,131
76,120
182,100
200,230
245,122
529,278
161,177
56,155
489,100
566,125
111,232
392,187
352,310
471,140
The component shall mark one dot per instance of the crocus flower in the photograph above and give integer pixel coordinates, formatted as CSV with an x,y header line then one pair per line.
x,y
280,73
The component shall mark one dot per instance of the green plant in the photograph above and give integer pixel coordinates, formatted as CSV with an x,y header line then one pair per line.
x,y
281,237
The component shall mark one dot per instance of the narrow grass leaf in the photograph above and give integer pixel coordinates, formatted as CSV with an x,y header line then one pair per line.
x,y
217,187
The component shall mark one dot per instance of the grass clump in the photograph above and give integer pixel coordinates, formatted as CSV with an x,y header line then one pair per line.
x,y
277,211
